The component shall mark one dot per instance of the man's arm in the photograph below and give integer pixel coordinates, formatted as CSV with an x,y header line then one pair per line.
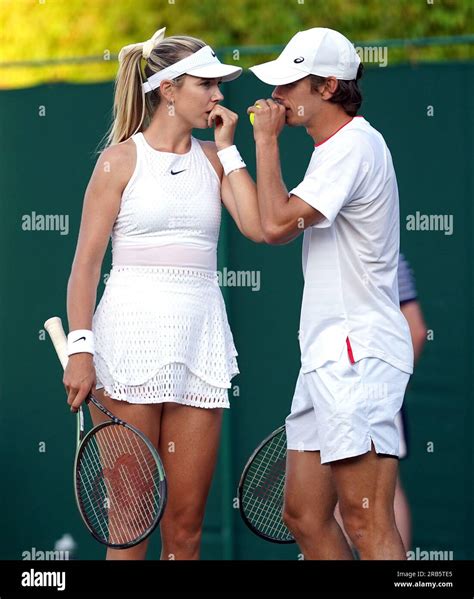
x,y
414,316
283,217
410,306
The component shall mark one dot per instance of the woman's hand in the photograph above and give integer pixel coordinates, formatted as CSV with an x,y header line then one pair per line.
x,y
79,378
225,122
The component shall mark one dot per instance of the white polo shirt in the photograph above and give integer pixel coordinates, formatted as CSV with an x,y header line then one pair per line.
x,y
350,258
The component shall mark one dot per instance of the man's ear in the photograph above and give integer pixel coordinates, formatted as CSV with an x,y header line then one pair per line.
x,y
330,88
167,90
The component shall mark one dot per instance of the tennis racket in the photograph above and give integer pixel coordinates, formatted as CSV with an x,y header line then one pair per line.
x,y
261,489
119,480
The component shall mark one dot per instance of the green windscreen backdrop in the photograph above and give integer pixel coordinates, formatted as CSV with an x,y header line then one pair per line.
x,y
49,134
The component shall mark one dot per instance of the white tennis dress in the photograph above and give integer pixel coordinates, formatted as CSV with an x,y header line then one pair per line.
x,y
161,330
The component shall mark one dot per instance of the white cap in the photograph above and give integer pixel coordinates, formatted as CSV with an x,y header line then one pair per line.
x,y
318,51
203,63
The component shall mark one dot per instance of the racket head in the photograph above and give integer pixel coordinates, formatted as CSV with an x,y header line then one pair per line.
x,y
261,489
119,484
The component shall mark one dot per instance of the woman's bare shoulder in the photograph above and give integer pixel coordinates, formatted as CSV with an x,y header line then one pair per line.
x,y
119,159
124,151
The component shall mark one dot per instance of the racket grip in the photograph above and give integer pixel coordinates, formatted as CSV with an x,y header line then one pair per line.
x,y
54,327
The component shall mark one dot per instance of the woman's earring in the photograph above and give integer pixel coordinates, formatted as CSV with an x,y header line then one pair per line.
x,y
170,106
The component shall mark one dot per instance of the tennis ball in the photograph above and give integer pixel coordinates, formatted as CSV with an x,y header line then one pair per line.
x,y
252,115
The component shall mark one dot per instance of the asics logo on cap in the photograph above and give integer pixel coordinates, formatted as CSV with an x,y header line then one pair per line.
x,y
213,53
299,59
177,172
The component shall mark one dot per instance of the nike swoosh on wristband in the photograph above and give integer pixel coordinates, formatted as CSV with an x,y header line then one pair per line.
x,y
80,339
177,172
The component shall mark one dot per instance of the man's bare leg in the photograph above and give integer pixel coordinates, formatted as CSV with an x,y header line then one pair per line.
x,y
310,498
366,487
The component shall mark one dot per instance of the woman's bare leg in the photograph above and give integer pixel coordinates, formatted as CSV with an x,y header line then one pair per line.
x,y
189,441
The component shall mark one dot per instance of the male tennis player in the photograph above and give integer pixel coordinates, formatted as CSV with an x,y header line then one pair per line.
x,y
356,351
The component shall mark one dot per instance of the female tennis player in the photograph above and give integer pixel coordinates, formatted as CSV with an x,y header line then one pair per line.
x,y
158,348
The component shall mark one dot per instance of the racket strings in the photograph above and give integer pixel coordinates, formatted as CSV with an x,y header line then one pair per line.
x,y
110,506
118,491
263,489
119,484
115,468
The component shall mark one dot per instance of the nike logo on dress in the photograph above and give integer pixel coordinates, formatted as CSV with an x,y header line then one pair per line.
x,y
80,339
177,172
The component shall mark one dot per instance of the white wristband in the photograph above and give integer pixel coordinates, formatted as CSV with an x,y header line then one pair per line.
x,y
231,159
80,340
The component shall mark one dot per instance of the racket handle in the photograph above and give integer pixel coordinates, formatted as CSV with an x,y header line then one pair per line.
x,y
54,327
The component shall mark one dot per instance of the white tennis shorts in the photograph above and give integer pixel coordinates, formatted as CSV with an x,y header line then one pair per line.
x,y
340,409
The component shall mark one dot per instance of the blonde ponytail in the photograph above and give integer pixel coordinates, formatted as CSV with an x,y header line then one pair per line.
x,y
133,109
129,100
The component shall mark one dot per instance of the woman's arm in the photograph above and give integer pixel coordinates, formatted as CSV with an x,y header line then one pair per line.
x,y
101,206
239,195
238,190
102,199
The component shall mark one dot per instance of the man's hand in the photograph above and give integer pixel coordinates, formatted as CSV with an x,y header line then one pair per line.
x,y
270,119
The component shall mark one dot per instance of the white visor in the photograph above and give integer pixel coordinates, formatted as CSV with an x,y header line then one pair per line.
x,y
203,63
